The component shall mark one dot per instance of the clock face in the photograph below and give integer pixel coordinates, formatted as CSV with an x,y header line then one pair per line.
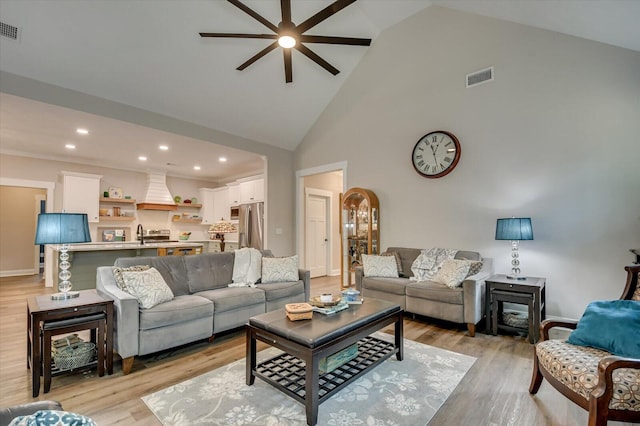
x,y
436,154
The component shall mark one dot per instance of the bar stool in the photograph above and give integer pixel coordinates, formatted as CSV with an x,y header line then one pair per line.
x,y
54,328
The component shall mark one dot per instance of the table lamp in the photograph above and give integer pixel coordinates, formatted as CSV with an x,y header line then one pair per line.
x,y
515,229
63,229
222,227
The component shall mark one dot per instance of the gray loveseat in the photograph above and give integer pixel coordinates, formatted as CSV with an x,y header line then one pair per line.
x,y
464,304
203,304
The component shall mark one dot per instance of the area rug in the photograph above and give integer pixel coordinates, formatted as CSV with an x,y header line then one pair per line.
x,y
407,392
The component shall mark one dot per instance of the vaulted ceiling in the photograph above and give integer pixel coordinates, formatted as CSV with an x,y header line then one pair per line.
x,y
149,55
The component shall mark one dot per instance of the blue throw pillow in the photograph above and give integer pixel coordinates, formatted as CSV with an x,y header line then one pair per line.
x,y
612,325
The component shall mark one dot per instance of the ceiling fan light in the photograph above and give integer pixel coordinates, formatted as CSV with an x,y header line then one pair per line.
x,y
287,41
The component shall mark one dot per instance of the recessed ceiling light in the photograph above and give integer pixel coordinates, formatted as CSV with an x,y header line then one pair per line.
x,y
142,158
222,159
82,131
70,146
163,148
196,167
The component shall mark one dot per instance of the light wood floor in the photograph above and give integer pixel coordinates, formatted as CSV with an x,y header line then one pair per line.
x,y
494,392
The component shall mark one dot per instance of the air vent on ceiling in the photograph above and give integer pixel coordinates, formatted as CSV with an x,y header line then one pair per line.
x,y
480,77
9,31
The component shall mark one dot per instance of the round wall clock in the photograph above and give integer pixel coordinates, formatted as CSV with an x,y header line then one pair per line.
x,y
436,154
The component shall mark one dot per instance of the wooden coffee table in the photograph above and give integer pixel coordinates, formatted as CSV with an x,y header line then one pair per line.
x,y
306,342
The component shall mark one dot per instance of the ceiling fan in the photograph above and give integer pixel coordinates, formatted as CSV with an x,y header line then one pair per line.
x,y
288,35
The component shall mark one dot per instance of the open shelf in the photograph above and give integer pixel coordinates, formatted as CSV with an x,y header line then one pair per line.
x,y
117,218
117,200
199,220
193,205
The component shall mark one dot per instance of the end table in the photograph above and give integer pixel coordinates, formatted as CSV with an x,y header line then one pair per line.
x,y
529,291
80,313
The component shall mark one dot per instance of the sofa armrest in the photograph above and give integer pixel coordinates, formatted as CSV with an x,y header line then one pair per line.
x,y
305,276
474,290
127,313
359,276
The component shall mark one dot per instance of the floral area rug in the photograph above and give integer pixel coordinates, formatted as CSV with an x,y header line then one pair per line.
x,y
407,392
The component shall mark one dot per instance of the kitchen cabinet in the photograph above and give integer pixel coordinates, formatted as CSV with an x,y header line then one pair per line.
x,y
233,193
251,191
179,251
207,212
81,194
220,204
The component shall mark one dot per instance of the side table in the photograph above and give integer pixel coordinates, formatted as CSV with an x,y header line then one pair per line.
x,y
529,291
84,311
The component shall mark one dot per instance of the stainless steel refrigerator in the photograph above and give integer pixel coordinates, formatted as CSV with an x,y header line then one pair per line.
x,y
251,225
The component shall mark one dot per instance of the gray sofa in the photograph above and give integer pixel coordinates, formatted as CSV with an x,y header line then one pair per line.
x,y
464,304
203,304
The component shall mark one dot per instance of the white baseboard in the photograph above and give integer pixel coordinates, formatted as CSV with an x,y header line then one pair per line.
x,y
17,273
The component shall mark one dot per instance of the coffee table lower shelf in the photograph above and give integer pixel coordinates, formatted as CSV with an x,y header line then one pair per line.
x,y
287,373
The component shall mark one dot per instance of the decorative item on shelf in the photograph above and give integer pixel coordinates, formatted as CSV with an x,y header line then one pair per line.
x,y
187,201
105,194
63,229
115,193
177,198
515,229
184,236
194,200
222,227
72,352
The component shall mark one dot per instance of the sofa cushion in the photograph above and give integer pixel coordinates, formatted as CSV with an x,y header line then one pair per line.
x,y
209,271
279,269
230,298
147,286
276,291
431,290
171,268
577,368
387,285
379,266
181,309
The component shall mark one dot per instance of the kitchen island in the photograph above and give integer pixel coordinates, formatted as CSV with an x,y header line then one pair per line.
x,y
85,258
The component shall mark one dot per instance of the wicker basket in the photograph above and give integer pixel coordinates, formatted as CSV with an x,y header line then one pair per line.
x,y
299,311
74,354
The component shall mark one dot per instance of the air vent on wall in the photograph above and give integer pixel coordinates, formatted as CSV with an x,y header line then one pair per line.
x,y
479,77
9,31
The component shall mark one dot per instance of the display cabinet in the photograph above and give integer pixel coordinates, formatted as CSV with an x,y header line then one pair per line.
x,y
360,224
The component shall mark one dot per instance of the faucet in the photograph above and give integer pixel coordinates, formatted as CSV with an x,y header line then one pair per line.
x,y
140,233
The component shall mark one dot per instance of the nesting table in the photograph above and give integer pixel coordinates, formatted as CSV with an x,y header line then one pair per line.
x,y
47,317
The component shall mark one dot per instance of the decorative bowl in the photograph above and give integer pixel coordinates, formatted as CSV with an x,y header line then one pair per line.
x,y
315,301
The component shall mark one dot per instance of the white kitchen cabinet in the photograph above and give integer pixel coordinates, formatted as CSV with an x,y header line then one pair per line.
x,y
251,191
221,203
81,194
208,212
233,193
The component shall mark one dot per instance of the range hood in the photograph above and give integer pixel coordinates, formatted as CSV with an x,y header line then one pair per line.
x,y
157,196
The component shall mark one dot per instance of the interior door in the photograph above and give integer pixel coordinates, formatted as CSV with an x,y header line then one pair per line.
x,y
316,235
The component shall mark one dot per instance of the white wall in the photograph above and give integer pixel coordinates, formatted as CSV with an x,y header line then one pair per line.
x,y
556,137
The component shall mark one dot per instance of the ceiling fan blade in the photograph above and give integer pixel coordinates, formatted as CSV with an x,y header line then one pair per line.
x,y
254,15
335,40
237,35
333,8
285,6
288,68
317,59
258,55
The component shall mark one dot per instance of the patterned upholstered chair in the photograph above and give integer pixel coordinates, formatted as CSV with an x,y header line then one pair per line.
x,y
607,386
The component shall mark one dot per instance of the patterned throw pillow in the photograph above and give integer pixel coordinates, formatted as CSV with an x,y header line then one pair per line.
x,y
452,273
424,267
475,266
117,274
379,266
279,269
396,256
52,418
148,287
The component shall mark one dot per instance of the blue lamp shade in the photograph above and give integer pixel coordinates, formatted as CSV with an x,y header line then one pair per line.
x,y
514,229
62,228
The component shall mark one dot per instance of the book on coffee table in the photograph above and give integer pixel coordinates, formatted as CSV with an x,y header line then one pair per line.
x,y
330,310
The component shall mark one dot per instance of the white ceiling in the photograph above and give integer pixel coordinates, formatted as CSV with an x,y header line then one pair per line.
x,y
149,55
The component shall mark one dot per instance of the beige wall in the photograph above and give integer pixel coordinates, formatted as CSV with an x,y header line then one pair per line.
x,y
331,182
18,212
555,137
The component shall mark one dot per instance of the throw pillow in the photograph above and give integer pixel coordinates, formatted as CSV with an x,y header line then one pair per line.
x,y
613,326
279,269
636,294
379,266
52,418
475,266
396,256
429,262
247,266
452,273
117,274
148,287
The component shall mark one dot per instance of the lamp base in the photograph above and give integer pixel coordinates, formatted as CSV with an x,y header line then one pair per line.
x,y
65,296
515,277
